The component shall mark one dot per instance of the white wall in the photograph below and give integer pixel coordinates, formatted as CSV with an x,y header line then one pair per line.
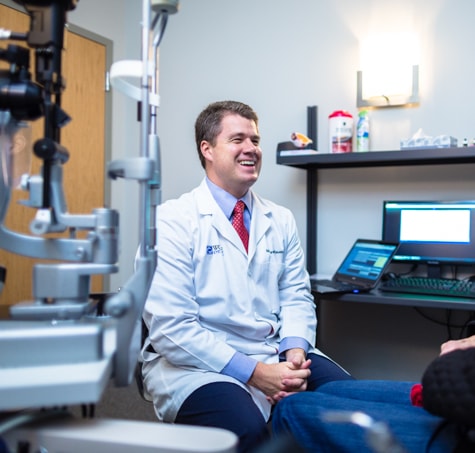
x,y
280,57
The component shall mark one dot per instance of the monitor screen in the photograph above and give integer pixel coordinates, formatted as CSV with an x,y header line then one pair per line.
x,y
432,232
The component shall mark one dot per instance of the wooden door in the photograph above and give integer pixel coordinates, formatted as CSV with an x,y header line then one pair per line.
x,y
84,69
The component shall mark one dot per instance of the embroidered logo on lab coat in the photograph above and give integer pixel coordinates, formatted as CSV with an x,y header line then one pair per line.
x,y
214,250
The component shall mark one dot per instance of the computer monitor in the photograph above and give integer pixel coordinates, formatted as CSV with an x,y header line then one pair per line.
x,y
431,232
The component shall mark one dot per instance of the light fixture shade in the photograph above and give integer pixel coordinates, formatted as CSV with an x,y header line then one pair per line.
x,y
383,91
389,71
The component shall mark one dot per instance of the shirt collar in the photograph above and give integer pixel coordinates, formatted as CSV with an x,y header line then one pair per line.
x,y
226,201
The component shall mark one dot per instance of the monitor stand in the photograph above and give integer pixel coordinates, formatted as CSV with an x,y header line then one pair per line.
x,y
434,270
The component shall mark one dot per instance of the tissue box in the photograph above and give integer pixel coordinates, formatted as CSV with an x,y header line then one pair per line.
x,y
441,141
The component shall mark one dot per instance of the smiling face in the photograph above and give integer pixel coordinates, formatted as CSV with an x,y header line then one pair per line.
x,y
234,161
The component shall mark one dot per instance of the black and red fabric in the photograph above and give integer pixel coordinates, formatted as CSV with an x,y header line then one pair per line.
x,y
448,386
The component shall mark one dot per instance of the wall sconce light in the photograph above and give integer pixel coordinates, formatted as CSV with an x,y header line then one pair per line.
x,y
391,77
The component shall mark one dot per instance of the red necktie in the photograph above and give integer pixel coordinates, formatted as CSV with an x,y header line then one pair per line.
x,y
238,222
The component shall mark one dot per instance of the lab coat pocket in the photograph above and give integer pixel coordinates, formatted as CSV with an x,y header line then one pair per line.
x,y
267,273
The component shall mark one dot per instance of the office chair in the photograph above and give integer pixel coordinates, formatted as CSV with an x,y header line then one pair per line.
x,y
138,368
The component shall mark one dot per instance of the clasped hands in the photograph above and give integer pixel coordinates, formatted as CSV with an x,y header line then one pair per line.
x,y
278,380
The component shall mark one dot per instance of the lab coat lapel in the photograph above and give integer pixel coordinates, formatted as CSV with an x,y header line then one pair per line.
x,y
207,206
260,223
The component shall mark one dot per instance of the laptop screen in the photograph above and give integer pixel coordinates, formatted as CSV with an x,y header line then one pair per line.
x,y
366,261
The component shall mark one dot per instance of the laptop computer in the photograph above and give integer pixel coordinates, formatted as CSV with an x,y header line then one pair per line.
x,y
360,271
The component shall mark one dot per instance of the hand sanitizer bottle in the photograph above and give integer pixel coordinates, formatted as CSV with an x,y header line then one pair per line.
x,y
362,131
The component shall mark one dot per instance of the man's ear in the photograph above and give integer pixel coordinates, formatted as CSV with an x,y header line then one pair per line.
x,y
206,150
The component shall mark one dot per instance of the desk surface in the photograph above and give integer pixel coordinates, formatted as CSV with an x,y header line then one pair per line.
x,y
412,300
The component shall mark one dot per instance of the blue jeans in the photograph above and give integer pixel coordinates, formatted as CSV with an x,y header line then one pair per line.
x,y
415,429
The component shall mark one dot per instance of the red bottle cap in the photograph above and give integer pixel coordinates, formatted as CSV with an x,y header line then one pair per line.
x,y
340,113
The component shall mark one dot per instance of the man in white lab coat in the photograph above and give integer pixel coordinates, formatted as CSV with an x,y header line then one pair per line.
x,y
232,327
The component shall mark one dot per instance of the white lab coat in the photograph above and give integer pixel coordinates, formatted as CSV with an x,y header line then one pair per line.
x,y
210,299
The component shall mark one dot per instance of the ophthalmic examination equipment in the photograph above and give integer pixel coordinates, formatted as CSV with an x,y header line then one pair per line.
x,y
58,350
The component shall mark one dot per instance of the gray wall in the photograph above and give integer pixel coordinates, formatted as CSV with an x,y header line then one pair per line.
x,y
280,57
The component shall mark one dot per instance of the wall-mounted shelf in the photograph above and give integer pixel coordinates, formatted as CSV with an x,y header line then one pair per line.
x,y
432,156
316,161
313,162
